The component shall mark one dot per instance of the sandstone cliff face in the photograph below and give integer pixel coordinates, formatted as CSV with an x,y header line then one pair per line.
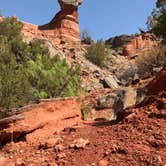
x,y
139,42
63,28
131,44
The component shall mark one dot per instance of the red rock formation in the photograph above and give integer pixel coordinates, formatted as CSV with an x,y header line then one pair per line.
x,y
63,28
139,42
130,44
49,115
65,23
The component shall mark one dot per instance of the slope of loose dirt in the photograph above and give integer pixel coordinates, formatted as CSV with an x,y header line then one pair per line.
x,y
139,139
159,83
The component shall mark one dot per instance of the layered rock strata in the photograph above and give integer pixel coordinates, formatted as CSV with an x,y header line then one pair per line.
x,y
131,44
63,28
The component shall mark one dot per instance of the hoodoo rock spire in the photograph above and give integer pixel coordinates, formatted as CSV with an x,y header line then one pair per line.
x,y
65,23
62,29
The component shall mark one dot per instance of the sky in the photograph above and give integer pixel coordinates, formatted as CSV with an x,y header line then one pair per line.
x,y
101,18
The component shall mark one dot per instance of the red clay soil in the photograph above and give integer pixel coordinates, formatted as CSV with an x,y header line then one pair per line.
x,y
137,140
159,83
42,120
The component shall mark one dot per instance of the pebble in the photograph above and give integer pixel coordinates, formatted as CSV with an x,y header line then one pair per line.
x,y
103,163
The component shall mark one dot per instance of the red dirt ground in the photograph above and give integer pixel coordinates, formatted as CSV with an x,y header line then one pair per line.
x,y
139,139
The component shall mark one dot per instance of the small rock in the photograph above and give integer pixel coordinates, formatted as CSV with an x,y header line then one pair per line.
x,y
110,82
106,153
21,151
103,163
10,157
61,156
50,143
59,148
19,162
79,143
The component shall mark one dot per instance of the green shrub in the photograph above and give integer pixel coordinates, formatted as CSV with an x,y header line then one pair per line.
x,y
160,26
11,28
53,78
150,59
27,72
15,88
157,21
98,54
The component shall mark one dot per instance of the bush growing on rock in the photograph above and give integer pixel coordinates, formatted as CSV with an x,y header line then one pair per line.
x,y
98,54
157,21
28,73
150,61
85,37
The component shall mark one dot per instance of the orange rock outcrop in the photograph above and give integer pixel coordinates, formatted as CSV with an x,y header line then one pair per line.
x,y
139,42
63,28
131,44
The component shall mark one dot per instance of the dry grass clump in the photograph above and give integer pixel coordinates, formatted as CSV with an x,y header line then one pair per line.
x,y
150,61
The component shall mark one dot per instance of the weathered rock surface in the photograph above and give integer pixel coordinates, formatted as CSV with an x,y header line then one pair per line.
x,y
111,81
62,29
41,121
131,44
93,76
139,42
112,104
79,143
122,99
119,41
143,129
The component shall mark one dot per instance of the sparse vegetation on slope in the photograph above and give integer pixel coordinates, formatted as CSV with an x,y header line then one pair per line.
x,y
150,61
27,72
98,54
85,37
157,21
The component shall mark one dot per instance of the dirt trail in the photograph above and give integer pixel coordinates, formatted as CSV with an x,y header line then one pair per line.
x,y
139,139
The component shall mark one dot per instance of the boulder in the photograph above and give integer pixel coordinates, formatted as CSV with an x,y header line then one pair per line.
x,y
119,41
110,81
126,98
118,101
106,101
